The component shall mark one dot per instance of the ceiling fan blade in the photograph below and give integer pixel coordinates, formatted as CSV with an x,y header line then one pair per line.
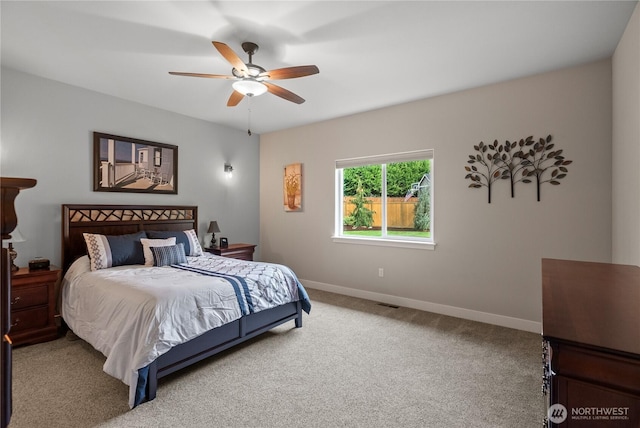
x,y
234,99
232,57
209,76
291,72
283,93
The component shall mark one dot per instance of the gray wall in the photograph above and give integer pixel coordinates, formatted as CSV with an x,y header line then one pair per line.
x,y
486,265
626,145
47,131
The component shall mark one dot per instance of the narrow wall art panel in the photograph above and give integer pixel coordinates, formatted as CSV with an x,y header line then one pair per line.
x,y
292,187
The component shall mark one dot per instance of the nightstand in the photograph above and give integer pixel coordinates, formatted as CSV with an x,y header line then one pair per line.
x,y
234,251
33,305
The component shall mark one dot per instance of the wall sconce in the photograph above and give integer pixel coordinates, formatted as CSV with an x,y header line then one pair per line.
x,y
228,169
213,229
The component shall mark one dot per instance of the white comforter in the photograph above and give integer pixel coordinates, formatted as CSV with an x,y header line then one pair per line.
x,y
133,314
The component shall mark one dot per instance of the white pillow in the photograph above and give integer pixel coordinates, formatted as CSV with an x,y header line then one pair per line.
x,y
148,243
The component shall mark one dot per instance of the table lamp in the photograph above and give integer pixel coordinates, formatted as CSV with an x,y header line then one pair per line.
x,y
16,236
213,229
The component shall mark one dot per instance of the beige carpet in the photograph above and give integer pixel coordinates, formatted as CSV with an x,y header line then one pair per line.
x,y
353,364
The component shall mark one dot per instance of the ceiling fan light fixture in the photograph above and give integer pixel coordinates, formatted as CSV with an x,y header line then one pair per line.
x,y
252,71
255,70
249,87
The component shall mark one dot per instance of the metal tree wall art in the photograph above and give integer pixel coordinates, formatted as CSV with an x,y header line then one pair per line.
x,y
517,161
487,160
509,159
539,159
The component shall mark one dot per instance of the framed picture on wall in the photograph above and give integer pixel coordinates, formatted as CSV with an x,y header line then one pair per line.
x,y
123,164
293,187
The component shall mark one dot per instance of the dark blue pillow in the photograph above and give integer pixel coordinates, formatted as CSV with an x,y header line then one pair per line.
x,y
106,251
188,238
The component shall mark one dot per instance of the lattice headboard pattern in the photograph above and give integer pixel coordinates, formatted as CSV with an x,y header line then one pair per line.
x,y
118,220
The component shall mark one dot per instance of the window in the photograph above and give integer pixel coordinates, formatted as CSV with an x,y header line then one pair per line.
x,y
157,157
385,200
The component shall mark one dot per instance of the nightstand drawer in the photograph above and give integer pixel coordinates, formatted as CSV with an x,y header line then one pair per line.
x,y
240,255
234,251
24,297
29,318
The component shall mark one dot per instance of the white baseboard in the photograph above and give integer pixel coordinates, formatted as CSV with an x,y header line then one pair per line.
x,y
468,314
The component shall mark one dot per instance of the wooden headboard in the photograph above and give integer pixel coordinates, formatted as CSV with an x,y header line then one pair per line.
x,y
118,220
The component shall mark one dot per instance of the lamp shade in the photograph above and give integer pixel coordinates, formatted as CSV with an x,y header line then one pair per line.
x,y
250,87
213,227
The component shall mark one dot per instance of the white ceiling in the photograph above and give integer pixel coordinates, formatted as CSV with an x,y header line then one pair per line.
x,y
371,54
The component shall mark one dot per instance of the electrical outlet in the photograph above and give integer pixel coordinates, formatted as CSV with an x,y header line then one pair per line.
x,y
380,272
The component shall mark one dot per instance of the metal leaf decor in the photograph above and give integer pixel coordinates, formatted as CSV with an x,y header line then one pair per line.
x,y
490,171
523,161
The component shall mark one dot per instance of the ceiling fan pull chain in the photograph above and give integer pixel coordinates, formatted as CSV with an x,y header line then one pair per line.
x,y
249,118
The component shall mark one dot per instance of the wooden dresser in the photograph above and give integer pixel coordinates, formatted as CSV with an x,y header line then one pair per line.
x,y
234,251
33,305
591,332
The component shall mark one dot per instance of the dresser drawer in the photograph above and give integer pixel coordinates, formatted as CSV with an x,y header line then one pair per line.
x,y
29,319
591,406
602,368
25,297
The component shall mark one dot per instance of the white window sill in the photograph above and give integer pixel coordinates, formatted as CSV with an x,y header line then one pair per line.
x,y
387,242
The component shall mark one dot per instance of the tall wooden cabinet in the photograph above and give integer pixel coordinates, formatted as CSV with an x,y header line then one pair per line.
x,y
591,332
10,187
5,343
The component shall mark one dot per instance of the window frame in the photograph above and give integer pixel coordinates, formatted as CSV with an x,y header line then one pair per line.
x,y
384,240
157,157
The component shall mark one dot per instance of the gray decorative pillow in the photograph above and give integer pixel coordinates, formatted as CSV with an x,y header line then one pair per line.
x,y
169,255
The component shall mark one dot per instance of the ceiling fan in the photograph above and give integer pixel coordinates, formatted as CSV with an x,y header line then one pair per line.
x,y
251,80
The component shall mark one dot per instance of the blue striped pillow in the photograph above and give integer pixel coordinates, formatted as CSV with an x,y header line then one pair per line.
x,y
167,256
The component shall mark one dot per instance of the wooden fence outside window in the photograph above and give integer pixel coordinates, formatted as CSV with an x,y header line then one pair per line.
x,y
400,214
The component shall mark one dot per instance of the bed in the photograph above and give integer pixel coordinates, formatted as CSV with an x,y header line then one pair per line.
x,y
248,318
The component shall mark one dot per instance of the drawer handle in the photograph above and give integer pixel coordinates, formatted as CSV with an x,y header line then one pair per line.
x,y
16,322
7,339
15,300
